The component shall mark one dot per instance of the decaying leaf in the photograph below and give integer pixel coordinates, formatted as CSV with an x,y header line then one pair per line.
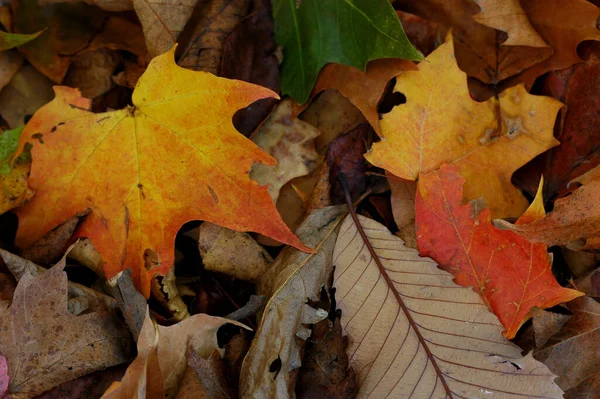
x,y
46,345
161,166
10,62
231,252
573,353
546,324
291,142
511,274
162,355
574,222
294,278
440,123
415,333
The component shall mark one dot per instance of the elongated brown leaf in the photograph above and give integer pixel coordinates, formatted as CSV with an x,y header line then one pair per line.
x,y
415,333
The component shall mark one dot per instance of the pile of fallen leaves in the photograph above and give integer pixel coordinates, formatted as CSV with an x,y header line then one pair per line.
x,y
312,199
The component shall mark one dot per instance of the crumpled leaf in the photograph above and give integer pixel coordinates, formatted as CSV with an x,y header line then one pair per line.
x,y
414,333
349,32
58,346
363,89
294,278
162,355
572,353
440,123
12,40
291,142
508,16
511,274
153,158
231,252
574,221
216,19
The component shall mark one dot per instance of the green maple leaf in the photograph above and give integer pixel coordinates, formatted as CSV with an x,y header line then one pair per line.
x,y
351,32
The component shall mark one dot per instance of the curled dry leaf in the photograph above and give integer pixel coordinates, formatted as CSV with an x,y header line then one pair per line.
x,y
294,278
415,333
429,130
162,355
291,142
161,166
57,346
510,273
129,300
233,253
574,221
572,353
403,208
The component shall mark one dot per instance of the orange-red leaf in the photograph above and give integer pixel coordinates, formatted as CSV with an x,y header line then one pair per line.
x,y
146,170
511,274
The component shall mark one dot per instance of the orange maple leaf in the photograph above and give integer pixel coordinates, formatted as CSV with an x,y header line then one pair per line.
x,y
510,273
146,170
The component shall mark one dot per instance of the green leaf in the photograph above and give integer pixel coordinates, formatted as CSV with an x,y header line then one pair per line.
x,y
9,142
351,32
11,40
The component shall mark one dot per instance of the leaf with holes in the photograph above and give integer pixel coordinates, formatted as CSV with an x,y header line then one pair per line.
x,y
511,274
146,170
349,32
415,333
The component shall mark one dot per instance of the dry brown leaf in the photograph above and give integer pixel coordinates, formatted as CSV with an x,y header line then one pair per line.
x,y
26,93
57,346
363,89
217,18
162,22
131,302
168,365
291,142
52,246
546,324
403,207
333,114
508,16
294,278
232,252
85,253
573,353
415,333
590,284
91,71
211,374
164,290
10,62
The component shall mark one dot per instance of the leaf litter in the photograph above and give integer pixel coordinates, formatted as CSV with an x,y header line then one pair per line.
x,y
150,250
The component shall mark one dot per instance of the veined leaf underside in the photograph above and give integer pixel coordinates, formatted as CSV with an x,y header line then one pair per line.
x,y
414,333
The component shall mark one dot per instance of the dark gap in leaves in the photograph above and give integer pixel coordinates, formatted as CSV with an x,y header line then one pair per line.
x,y
246,120
225,333
559,310
390,99
560,268
8,231
275,366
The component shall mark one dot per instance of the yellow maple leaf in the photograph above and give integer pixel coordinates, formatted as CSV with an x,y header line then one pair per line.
x,y
144,171
440,123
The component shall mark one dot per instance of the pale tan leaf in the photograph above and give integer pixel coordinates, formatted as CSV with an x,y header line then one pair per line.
x,y
232,252
291,142
162,21
414,333
294,278
403,208
197,333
